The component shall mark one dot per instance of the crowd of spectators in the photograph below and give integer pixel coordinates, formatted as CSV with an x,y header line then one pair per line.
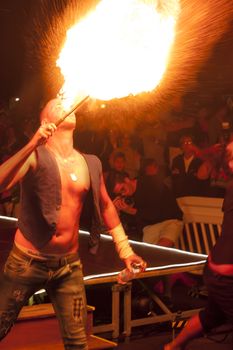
x,y
182,156
178,156
164,158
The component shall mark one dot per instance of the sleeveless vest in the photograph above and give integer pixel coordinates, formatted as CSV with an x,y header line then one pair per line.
x,y
41,197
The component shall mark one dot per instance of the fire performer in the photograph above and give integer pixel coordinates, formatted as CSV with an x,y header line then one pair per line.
x,y
55,180
218,277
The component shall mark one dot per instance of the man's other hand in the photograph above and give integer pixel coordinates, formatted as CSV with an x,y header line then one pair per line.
x,y
135,260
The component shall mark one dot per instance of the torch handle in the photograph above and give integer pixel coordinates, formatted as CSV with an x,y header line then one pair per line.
x,y
79,104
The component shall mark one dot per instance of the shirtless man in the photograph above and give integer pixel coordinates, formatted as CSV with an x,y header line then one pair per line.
x,y
218,277
54,180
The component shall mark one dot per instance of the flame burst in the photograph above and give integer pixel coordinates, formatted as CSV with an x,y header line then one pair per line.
x,y
201,26
120,48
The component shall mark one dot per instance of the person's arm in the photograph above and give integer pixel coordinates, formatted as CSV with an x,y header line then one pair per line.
x,y
205,169
165,242
14,168
211,157
115,228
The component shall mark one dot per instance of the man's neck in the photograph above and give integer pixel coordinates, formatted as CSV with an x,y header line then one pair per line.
x,y
61,144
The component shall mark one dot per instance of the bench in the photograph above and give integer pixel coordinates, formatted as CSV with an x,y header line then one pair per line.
x,y
202,223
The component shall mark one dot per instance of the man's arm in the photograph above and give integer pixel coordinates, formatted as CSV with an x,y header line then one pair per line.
x,y
108,210
112,221
14,169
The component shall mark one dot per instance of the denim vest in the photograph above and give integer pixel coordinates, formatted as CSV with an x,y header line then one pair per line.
x,y
40,201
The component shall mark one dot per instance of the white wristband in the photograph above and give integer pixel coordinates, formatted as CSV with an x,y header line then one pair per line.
x,y
121,241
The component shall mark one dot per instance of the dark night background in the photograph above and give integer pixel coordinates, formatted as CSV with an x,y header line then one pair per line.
x,y
12,20
214,79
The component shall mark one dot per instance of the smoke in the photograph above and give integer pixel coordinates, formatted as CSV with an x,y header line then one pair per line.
x,y
201,24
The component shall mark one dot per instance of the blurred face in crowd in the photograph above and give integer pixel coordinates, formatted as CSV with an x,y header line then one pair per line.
x,y
151,169
186,145
119,164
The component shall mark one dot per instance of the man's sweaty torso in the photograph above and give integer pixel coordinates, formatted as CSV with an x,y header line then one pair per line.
x,y
75,182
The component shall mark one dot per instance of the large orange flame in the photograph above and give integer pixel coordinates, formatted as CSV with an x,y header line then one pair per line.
x,y
119,49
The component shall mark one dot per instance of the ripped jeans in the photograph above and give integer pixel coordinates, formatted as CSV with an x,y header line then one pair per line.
x,y
62,278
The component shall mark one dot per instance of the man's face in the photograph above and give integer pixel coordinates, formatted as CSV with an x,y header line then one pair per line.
x,y
54,111
119,164
187,144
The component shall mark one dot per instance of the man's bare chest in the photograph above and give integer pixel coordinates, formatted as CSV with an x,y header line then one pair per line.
x,y
75,179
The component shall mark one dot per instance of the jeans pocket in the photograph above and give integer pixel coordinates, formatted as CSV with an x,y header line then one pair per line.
x,y
15,265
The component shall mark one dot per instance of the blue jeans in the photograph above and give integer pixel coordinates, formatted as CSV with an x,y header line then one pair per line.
x,y
62,278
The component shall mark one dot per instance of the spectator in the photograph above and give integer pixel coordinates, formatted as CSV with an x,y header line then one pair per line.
x,y
184,170
116,174
215,169
132,156
120,189
124,203
157,213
